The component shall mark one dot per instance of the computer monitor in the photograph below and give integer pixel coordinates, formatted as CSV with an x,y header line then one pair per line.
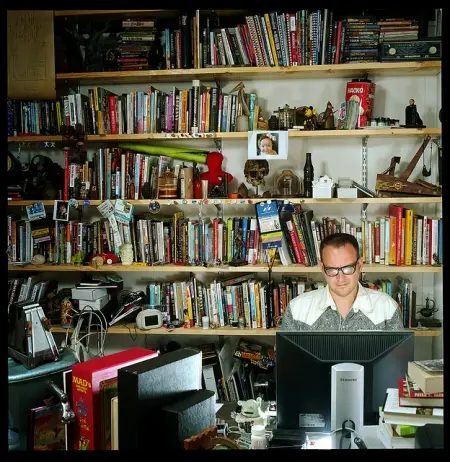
x,y
303,371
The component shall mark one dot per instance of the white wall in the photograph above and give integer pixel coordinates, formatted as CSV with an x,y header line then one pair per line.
x,y
335,157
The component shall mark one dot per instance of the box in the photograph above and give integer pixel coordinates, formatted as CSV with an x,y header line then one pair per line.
x,y
90,293
347,193
87,380
323,188
94,305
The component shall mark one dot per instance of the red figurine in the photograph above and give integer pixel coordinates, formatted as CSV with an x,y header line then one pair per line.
x,y
215,174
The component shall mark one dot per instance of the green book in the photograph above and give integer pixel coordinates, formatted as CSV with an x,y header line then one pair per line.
x,y
405,430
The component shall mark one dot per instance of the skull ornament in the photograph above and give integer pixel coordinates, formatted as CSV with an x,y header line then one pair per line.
x,y
255,171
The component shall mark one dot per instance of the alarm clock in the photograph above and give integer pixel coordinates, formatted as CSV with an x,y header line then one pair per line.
x,y
149,318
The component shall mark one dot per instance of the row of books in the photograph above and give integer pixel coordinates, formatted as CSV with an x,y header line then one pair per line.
x,y
414,240
33,288
306,37
199,109
418,400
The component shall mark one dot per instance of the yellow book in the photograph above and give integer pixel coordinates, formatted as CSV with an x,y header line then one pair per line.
x,y
271,40
208,105
258,305
402,255
409,217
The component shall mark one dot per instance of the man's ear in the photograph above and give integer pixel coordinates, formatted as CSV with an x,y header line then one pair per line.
x,y
360,262
321,265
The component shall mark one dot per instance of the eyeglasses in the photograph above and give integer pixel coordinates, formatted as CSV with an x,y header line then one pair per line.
x,y
348,270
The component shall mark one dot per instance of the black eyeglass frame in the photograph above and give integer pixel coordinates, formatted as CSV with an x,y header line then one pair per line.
x,y
341,269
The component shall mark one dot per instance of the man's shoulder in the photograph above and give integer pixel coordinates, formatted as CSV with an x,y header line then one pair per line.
x,y
378,295
307,298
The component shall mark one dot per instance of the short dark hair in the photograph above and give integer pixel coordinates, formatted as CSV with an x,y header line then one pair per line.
x,y
337,240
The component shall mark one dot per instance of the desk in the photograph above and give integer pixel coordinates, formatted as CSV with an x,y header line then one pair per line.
x,y
368,433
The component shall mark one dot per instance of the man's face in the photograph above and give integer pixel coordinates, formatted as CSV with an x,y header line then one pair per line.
x,y
266,145
339,257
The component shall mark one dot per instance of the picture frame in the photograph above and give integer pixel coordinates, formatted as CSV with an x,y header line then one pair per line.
x,y
61,210
268,144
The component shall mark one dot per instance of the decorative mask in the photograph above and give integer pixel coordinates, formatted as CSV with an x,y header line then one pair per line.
x,y
255,171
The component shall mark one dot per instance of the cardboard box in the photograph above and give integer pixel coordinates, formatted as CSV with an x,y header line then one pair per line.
x,y
88,378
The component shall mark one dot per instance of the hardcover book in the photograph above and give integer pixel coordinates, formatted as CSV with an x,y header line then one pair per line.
x,y
89,378
410,394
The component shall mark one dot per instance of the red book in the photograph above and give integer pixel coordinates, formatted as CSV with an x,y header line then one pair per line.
x,y
87,380
397,212
410,395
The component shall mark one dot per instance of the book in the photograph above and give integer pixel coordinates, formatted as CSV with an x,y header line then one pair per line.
x,y
393,413
115,423
428,375
390,438
47,432
411,395
86,393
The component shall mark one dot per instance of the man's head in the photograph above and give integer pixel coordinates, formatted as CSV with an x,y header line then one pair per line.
x,y
340,263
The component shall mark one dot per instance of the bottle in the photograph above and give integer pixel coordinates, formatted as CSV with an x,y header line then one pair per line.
x,y
308,176
259,440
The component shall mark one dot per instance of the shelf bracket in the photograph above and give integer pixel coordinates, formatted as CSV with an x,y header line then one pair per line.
x,y
219,208
218,143
364,173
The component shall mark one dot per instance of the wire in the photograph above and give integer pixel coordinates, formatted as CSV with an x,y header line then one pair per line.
x,y
358,440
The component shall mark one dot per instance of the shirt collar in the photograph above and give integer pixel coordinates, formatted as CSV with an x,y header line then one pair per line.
x,y
360,303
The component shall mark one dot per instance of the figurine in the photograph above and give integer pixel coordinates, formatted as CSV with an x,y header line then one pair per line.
x,y
412,117
307,117
255,171
326,119
215,174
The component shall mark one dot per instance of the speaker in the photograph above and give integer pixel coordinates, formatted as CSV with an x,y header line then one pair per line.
x,y
186,417
147,386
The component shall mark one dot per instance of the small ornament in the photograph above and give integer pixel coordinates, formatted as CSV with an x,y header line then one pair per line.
x,y
126,254
38,259
154,207
96,262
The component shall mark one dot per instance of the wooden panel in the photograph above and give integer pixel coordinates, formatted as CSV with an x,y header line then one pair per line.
x,y
386,132
252,202
257,73
258,268
228,331
31,55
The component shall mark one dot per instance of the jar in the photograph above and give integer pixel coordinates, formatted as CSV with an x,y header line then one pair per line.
x,y
258,440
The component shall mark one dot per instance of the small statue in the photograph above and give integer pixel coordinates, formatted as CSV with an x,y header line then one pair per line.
x,y
326,119
77,259
255,171
412,117
307,117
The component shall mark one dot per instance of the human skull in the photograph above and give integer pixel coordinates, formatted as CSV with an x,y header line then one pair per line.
x,y
255,171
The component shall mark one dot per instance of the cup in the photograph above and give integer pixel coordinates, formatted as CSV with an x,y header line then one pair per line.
x,y
204,189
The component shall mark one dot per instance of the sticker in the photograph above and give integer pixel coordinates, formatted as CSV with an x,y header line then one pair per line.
x,y
228,201
311,420
194,201
106,208
123,211
250,201
205,201
154,207
74,203
184,201
86,203
36,211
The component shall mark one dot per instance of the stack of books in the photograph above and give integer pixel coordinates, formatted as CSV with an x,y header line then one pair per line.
x,y
418,400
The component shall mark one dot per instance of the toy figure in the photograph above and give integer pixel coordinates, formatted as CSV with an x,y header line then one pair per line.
x,y
215,174
326,118
412,116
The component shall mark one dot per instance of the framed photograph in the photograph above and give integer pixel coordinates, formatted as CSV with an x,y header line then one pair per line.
x,y
36,211
61,211
269,145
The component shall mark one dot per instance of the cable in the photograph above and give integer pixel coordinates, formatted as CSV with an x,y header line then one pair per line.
x,y
358,440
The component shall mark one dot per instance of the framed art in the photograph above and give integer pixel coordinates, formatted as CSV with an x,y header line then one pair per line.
x,y
269,145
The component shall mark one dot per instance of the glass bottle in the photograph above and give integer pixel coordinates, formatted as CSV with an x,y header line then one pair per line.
x,y
308,176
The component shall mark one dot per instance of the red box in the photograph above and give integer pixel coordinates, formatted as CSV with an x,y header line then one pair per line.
x,y
362,91
87,378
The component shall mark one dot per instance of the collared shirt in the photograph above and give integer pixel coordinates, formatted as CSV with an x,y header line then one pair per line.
x,y
316,310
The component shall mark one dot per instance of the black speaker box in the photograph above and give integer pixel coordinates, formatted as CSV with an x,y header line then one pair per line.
x,y
186,417
147,386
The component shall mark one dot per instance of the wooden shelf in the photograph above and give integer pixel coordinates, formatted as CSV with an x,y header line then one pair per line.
x,y
131,328
359,133
259,268
256,73
242,202
138,13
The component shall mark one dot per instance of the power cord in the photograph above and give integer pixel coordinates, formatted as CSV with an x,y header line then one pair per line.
x,y
345,434
76,345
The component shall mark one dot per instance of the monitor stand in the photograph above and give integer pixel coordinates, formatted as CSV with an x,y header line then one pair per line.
x,y
347,400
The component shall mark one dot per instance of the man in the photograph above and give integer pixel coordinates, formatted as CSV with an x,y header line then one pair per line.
x,y
344,304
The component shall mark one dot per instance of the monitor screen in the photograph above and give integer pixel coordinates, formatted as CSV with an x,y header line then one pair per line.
x,y
303,371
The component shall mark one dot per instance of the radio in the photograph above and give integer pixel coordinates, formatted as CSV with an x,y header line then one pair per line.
x,y
419,50
149,319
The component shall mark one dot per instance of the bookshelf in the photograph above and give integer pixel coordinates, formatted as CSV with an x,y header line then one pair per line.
x,y
130,328
388,132
258,268
256,73
226,74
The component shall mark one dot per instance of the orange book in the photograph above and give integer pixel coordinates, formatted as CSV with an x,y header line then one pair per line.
x,y
397,212
409,219
392,240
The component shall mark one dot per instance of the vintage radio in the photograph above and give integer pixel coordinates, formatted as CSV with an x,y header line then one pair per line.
x,y
419,50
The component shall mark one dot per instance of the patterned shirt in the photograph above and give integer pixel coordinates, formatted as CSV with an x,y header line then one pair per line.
x,y
316,310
